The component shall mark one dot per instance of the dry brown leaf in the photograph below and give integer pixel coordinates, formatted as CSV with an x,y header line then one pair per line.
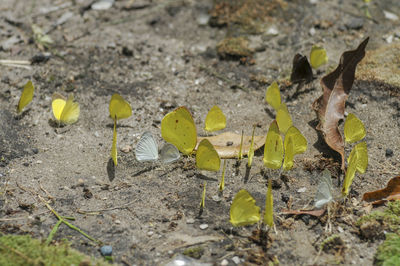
x,y
390,192
336,87
228,144
316,213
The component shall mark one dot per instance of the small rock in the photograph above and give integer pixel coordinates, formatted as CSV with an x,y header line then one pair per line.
x,y
106,250
126,149
40,58
96,134
301,190
80,182
150,233
26,164
203,226
126,51
272,31
355,24
117,221
340,229
236,260
390,15
224,262
216,198
190,221
35,150
202,19
39,162
312,31
102,4
389,153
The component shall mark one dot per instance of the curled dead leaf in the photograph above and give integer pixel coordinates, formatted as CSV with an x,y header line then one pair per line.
x,y
336,87
390,192
227,144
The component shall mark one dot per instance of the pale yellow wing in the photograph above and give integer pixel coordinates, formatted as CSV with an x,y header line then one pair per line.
x,y
114,145
273,148
70,112
57,104
26,96
207,157
318,56
119,108
354,129
178,128
269,206
283,118
273,95
215,119
244,210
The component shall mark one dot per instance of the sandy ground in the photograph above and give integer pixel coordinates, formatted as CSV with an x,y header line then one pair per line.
x,y
153,54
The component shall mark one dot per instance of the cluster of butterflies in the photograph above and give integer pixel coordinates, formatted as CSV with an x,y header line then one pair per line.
x,y
179,131
65,111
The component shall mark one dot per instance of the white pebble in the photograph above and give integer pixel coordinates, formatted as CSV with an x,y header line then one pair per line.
x,y
224,262
203,226
236,260
150,233
301,190
190,221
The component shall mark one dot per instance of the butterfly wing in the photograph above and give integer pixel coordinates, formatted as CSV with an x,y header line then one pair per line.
x,y
244,210
70,112
119,108
273,95
178,128
58,105
207,157
273,148
147,148
354,129
215,119
169,153
324,191
26,96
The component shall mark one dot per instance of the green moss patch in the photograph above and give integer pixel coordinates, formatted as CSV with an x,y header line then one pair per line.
x,y
388,253
23,250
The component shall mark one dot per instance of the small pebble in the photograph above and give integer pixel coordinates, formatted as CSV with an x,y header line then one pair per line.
x,y
190,221
35,150
150,233
301,190
236,260
106,250
390,15
126,148
216,198
117,221
39,162
355,24
224,262
96,134
203,226
340,229
389,153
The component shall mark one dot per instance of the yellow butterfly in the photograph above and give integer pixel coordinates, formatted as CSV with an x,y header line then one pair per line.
x,y
240,154
114,144
203,198
357,162
250,154
318,56
273,148
215,119
354,129
119,108
295,143
207,157
65,111
244,210
26,96
269,206
283,118
273,95
222,183
178,128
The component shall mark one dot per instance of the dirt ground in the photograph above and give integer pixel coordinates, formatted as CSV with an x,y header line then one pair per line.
x,y
160,55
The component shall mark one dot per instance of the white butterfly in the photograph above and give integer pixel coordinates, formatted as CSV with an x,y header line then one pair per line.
x,y
147,150
324,191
